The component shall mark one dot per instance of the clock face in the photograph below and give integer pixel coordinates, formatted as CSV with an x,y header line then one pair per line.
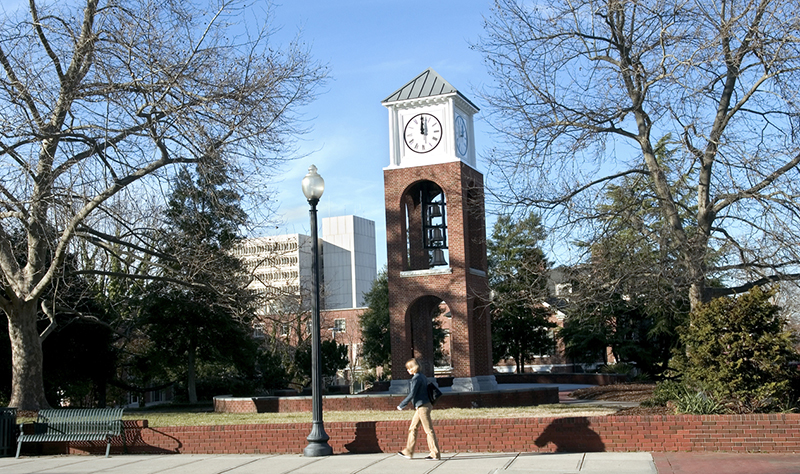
x,y
462,138
423,133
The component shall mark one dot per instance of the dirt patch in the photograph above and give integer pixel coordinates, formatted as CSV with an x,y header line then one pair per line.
x,y
618,392
624,393
645,411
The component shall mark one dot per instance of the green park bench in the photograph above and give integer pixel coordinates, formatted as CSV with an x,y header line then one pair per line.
x,y
73,424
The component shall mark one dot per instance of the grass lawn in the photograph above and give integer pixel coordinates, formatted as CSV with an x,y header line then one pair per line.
x,y
203,413
186,416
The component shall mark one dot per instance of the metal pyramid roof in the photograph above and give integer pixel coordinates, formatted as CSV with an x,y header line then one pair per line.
x,y
427,84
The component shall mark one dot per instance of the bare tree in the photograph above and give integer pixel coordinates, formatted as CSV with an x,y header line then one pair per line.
x,y
585,89
99,99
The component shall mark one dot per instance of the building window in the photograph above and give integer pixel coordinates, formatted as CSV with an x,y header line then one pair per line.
x,y
339,325
284,328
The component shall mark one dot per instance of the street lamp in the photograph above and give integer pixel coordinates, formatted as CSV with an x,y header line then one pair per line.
x,y
313,186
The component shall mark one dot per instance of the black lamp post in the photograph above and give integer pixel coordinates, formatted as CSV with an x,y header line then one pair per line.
x,y
313,186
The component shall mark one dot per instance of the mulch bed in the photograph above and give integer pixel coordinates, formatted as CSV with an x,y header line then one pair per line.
x,y
645,411
629,392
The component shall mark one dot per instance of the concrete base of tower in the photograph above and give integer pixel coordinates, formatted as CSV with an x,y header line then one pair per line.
x,y
400,387
481,383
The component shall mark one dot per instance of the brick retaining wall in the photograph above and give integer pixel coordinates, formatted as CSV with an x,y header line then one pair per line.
x,y
382,401
775,433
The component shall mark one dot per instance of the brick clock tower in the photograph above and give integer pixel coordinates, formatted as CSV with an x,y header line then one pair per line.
x,y
436,233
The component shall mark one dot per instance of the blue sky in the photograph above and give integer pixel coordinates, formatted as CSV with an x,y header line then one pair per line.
x,y
372,48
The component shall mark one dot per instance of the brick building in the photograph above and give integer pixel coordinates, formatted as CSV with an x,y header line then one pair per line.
x,y
281,270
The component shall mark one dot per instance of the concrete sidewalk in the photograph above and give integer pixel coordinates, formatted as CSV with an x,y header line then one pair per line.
x,y
383,463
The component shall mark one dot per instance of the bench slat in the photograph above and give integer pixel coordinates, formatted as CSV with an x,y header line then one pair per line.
x,y
75,424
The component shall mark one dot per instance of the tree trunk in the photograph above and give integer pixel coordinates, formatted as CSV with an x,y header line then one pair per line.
x,y
101,386
27,380
190,377
696,295
697,289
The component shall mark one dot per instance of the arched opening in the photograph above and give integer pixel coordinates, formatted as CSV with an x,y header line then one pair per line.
x,y
430,341
425,220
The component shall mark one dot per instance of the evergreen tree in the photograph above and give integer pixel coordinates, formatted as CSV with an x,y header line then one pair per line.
x,y
739,349
518,274
631,294
375,338
207,320
333,357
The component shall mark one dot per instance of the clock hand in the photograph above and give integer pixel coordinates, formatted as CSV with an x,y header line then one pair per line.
x,y
422,126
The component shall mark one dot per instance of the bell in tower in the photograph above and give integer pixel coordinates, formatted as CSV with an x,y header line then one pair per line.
x,y
434,223
425,223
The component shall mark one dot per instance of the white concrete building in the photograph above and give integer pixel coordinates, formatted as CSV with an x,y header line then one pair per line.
x,y
349,261
281,265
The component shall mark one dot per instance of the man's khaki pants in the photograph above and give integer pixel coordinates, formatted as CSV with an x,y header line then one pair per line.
x,y
422,415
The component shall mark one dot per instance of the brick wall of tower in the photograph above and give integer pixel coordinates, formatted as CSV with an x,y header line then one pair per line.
x,y
464,290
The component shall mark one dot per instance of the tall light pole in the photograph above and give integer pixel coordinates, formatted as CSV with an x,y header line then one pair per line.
x,y
313,186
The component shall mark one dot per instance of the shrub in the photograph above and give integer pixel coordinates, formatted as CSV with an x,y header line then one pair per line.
x,y
618,368
685,399
333,357
697,403
738,350
665,391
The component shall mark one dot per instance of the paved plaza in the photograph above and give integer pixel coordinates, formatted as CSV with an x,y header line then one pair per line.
x,y
381,463
385,463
